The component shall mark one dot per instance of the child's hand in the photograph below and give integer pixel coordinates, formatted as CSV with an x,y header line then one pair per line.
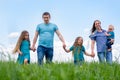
x,y
34,50
64,47
106,33
92,55
20,53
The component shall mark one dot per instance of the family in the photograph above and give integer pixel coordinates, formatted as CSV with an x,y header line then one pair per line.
x,y
45,32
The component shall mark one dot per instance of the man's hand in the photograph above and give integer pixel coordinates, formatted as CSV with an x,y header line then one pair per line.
x,y
33,49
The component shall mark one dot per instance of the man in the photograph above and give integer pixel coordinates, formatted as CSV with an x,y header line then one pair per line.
x,y
45,31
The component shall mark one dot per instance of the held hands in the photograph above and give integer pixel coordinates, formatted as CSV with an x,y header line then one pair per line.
x,y
92,54
64,47
33,49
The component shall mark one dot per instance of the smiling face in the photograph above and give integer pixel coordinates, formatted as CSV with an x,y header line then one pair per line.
x,y
97,24
46,18
26,36
110,28
80,41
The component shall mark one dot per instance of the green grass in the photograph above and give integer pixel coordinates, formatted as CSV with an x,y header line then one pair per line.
x,y
59,71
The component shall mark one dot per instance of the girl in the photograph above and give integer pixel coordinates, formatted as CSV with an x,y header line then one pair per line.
x,y
23,48
78,50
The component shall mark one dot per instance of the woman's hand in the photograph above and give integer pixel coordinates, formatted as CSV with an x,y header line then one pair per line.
x,y
93,54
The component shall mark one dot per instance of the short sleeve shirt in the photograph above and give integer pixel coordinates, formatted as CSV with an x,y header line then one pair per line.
x,y
78,52
100,39
112,36
46,34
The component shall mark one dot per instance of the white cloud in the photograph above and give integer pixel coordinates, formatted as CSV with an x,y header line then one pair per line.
x,y
59,54
13,35
86,30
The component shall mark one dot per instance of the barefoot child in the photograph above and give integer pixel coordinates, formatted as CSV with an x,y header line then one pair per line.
x,y
78,50
23,48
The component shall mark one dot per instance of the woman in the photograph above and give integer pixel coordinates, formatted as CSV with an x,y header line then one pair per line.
x,y
98,36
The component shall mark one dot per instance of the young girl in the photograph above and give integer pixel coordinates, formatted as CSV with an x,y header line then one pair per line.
x,y
78,50
23,48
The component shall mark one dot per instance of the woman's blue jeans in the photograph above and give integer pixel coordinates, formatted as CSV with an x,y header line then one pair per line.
x,y
107,55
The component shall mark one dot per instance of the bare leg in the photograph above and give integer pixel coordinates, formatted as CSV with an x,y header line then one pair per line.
x,y
109,49
26,61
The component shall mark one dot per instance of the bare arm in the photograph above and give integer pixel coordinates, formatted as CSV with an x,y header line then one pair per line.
x,y
60,37
87,54
34,40
92,47
64,47
107,34
19,51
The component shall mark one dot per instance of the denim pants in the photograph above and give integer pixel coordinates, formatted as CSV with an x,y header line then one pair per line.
x,y
107,55
44,51
109,44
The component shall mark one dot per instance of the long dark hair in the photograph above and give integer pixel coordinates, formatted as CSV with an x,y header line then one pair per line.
x,y
93,27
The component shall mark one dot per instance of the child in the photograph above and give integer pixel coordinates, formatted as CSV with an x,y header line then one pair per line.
x,y
110,35
78,50
23,48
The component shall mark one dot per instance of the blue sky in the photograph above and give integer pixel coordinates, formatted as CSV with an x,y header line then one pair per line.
x,y
73,17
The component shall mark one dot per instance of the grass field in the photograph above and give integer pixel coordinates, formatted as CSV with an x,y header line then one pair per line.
x,y
59,71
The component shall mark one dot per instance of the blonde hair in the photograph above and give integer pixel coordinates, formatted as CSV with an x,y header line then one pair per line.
x,y
21,38
76,41
111,26
76,44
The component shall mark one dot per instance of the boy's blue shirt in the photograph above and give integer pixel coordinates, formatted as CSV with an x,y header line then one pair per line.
x,y
112,36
